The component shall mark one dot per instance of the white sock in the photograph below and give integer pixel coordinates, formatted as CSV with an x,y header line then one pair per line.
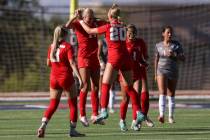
x,y
111,99
44,122
121,120
171,106
103,109
162,105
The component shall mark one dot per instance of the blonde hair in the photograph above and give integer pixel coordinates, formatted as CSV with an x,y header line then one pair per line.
x,y
114,11
59,34
87,11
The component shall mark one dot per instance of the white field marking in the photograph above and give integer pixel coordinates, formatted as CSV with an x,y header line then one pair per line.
x,y
88,98
198,138
117,133
36,106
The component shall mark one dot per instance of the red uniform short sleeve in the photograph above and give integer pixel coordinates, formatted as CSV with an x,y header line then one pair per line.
x,y
103,29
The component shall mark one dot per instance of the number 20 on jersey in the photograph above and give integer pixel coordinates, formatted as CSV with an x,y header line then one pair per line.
x,y
117,34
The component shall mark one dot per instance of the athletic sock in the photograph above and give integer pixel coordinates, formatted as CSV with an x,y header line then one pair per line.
x,y
171,106
123,109
94,102
82,103
105,95
162,104
134,97
51,108
144,102
73,109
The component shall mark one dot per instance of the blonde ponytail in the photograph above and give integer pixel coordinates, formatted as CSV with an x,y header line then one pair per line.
x,y
59,34
114,11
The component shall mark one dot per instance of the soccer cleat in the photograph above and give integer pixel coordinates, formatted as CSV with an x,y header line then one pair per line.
x,y
140,117
135,126
93,120
171,120
84,121
161,119
123,126
74,133
149,122
41,132
103,115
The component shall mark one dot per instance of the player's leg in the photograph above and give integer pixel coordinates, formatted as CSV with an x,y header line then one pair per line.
x,y
85,75
136,86
162,87
108,78
73,115
123,108
171,99
55,95
127,80
144,97
95,75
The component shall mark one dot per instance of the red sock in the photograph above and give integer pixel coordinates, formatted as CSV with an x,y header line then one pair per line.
x,y
133,113
105,95
144,102
124,108
134,97
82,103
94,102
51,108
73,109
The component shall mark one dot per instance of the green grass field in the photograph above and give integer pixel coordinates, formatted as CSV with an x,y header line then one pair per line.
x,y
191,124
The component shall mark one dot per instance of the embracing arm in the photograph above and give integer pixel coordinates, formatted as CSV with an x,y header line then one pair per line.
x,y
70,21
88,29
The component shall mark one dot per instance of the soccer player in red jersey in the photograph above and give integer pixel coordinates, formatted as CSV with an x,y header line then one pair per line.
x,y
118,59
61,61
88,62
138,52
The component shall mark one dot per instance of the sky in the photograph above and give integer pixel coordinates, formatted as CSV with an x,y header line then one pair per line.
x,y
121,2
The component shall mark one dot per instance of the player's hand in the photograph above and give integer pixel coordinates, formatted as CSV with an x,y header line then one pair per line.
x,y
78,13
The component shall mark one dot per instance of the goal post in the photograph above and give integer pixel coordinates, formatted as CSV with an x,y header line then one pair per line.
x,y
73,6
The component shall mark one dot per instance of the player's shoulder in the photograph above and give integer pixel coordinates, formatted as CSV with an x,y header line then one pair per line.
x,y
159,44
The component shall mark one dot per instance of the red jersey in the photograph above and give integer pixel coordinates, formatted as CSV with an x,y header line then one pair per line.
x,y
116,38
87,44
137,50
61,66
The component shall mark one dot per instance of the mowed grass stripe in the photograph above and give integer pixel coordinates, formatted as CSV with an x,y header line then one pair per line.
x,y
22,124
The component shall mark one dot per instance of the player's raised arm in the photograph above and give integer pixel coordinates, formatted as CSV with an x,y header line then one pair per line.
x,y
77,15
88,29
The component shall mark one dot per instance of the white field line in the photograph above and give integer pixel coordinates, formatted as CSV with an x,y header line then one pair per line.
x,y
127,134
